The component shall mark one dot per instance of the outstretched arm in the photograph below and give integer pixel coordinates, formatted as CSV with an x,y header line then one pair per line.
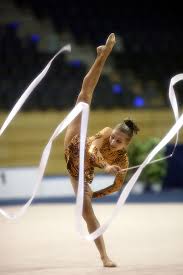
x,y
118,182
95,154
95,146
116,186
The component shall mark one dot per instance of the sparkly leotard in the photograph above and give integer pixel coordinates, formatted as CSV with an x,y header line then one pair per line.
x,y
95,159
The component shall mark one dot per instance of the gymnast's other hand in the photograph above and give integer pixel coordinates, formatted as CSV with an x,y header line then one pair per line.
x,y
112,169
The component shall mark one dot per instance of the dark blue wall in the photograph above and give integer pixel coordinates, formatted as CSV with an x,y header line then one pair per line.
x,y
174,177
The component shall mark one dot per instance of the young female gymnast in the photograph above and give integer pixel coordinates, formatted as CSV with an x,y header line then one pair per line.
x,y
106,150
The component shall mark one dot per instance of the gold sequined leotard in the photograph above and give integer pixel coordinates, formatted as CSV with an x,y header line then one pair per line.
x,y
95,159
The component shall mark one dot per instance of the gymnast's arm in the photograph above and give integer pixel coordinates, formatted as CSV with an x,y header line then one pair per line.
x,y
95,146
96,155
118,182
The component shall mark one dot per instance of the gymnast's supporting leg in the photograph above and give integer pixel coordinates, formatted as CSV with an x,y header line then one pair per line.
x,y
92,223
89,84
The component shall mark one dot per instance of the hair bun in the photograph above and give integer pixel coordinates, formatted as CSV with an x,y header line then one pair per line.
x,y
131,124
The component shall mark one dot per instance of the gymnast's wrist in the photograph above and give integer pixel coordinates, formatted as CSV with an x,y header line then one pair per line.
x,y
106,166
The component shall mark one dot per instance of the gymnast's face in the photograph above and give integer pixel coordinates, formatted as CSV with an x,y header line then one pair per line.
x,y
118,140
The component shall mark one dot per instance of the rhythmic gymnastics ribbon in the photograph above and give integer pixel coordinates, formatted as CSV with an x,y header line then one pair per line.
x,y
83,108
13,113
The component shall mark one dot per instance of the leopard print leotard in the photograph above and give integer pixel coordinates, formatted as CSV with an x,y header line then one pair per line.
x,y
93,160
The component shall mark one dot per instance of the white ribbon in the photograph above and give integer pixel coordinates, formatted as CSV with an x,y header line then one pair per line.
x,y
173,102
81,107
84,109
30,89
172,132
12,114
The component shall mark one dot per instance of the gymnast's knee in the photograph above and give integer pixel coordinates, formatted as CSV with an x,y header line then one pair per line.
x,y
84,97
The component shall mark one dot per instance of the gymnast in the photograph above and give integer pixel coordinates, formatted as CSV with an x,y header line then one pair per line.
x,y
106,150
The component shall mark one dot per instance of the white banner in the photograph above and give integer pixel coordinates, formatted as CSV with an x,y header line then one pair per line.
x,y
18,183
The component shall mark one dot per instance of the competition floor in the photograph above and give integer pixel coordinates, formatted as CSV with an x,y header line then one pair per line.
x,y
143,239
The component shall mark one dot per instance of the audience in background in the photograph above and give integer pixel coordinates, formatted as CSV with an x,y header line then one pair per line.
x,y
136,76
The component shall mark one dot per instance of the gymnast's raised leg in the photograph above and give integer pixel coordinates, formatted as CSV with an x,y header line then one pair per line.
x,y
89,84
85,95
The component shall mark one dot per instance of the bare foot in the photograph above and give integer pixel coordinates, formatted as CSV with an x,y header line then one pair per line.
x,y
100,49
108,263
106,49
111,40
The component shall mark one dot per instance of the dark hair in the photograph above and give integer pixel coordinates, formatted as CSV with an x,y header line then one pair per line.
x,y
128,127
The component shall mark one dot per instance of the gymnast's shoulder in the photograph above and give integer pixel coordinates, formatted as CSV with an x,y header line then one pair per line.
x,y
105,132
102,134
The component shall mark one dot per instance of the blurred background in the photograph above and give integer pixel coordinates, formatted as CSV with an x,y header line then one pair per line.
x,y
134,82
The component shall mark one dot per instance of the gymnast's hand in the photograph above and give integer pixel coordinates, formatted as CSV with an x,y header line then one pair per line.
x,y
112,169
